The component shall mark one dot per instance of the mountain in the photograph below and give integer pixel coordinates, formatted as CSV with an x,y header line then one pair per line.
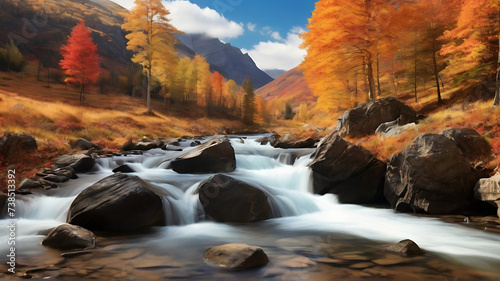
x,y
291,87
226,59
40,35
274,73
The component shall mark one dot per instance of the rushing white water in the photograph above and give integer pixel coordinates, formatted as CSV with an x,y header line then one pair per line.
x,y
282,174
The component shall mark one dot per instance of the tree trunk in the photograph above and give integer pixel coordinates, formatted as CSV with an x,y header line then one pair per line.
x,y
148,98
39,68
81,94
356,90
369,74
415,59
497,90
379,91
394,79
436,74
48,77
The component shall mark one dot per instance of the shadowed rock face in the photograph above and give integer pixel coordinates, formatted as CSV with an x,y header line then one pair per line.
x,y
236,256
118,202
225,199
474,147
349,171
216,156
81,163
364,119
11,146
432,176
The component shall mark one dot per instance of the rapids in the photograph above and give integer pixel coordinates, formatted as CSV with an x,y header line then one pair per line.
x,y
284,176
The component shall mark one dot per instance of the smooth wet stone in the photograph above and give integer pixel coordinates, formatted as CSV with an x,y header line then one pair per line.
x,y
236,256
67,236
298,262
406,248
362,265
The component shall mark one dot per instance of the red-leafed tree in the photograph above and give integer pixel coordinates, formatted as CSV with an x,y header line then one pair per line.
x,y
80,59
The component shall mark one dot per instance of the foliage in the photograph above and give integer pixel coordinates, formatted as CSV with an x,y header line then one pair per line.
x,y
80,61
248,102
11,58
150,39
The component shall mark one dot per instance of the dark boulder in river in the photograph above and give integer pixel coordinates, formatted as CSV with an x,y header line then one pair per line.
x,y
118,202
215,156
364,119
347,170
81,163
432,176
226,199
69,237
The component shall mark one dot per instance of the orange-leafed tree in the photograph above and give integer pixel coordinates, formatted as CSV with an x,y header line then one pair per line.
x,y
218,82
150,37
80,60
342,44
473,42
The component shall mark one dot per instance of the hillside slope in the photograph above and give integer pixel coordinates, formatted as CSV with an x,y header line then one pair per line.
x,y
40,28
226,59
291,87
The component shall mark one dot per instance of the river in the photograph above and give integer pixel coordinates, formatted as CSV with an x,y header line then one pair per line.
x,y
314,238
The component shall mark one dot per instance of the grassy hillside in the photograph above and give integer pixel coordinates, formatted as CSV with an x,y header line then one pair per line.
x,y
48,23
290,87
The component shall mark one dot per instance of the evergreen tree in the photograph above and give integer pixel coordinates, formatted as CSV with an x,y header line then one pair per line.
x,y
248,102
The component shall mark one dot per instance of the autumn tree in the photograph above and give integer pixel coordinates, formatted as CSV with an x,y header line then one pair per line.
x,y
233,91
80,60
341,42
150,37
218,82
248,102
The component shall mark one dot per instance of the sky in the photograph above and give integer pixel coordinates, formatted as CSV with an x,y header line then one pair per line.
x,y
265,29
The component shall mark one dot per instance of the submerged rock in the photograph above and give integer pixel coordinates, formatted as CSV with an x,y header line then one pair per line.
x,y
118,202
431,176
216,156
364,119
236,256
225,199
69,237
347,170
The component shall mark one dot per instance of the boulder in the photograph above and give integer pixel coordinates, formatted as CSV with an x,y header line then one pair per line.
x,y
118,202
347,170
83,144
81,163
392,129
124,169
236,256
34,183
431,176
364,119
57,174
226,199
488,190
216,156
272,140
474,147
14,145
406,248
69,237
289,141
128,146
3,205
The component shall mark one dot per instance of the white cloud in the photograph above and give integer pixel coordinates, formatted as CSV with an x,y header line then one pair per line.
x,y
279,55
190,18
276,36
251,26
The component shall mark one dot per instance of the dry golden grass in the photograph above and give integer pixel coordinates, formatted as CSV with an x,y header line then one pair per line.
x,y
479,116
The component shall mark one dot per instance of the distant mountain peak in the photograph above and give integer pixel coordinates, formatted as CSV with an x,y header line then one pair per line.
x,y
230,61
